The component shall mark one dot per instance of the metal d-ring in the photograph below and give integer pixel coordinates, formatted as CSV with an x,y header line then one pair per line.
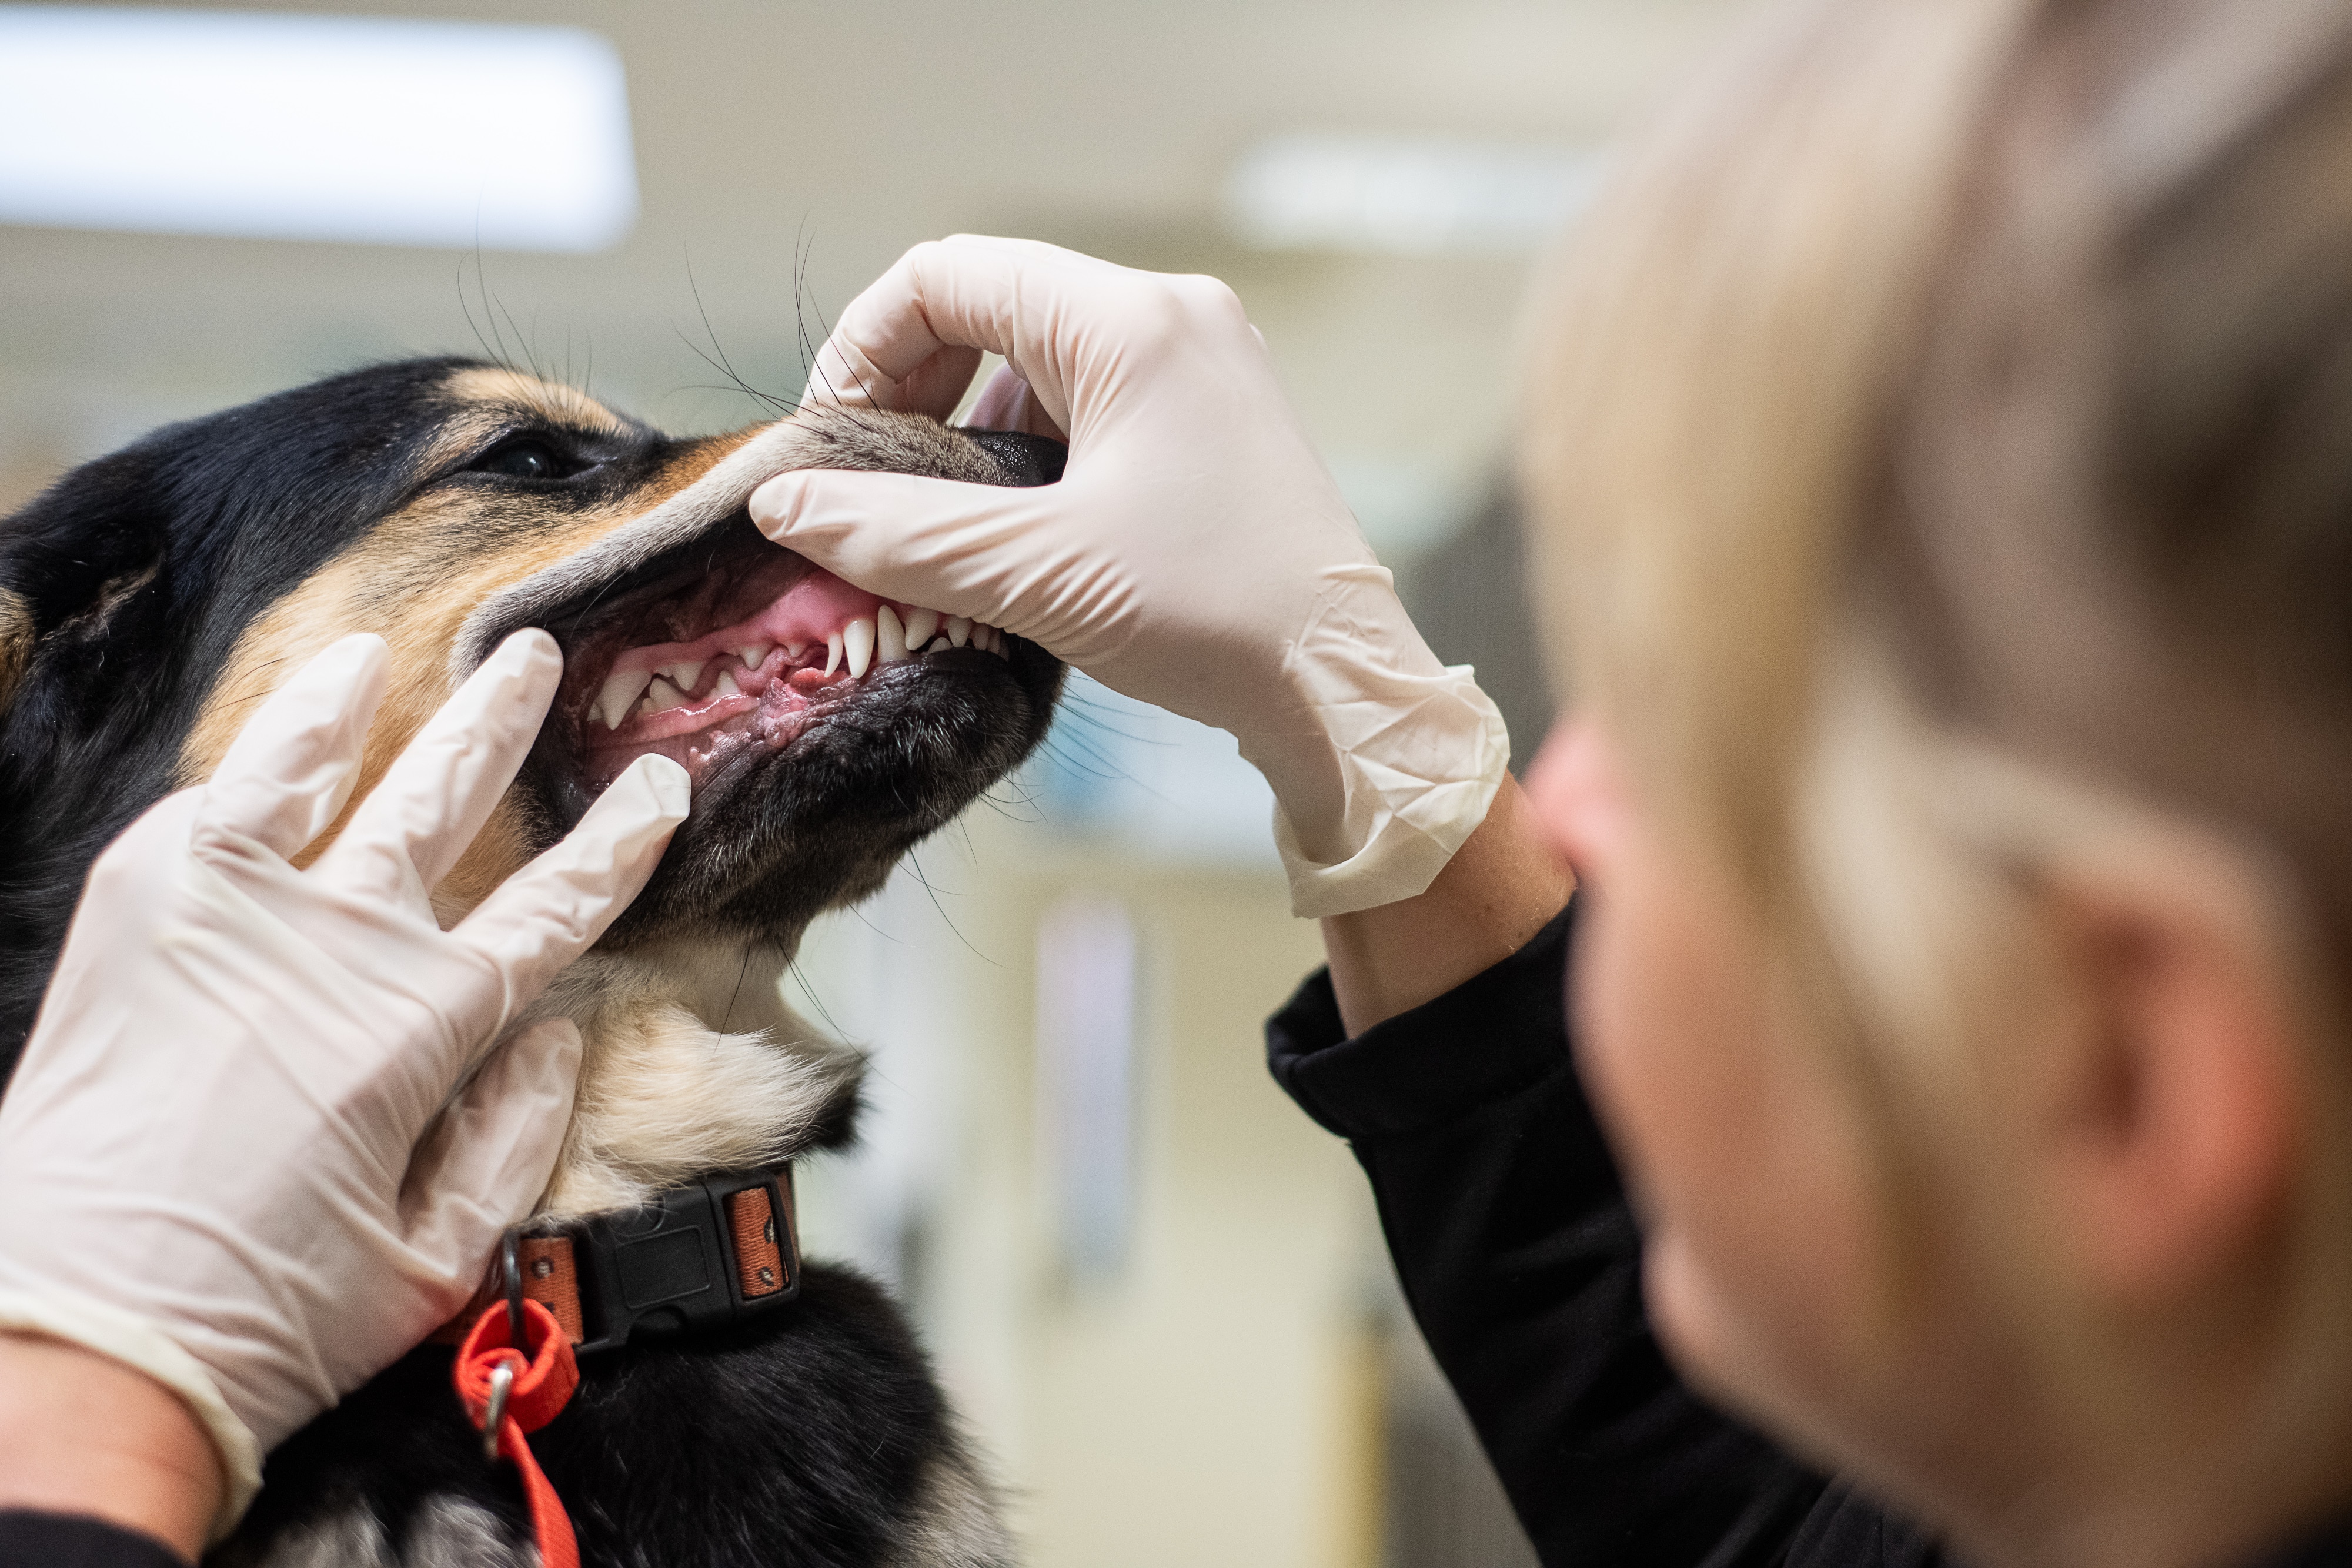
x,y
511,1272
494,1414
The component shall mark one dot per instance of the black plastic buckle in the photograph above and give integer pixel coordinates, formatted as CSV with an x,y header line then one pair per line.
x,y
671,1267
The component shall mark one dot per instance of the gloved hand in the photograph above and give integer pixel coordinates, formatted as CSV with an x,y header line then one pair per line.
x,y
205,1165
1195,555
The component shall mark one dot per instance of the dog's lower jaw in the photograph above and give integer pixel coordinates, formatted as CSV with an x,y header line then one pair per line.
x,y
691,1063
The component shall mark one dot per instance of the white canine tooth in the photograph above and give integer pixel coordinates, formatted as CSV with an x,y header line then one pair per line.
x,y
857,642
687,675
938,645
890,635
726,686
959,631
665,695
833,653
620,694
920,624
754,654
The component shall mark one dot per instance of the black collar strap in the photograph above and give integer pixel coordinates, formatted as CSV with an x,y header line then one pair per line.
x,y
721,1250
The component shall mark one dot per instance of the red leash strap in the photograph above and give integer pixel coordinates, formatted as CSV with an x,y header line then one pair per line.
x,y
542,1385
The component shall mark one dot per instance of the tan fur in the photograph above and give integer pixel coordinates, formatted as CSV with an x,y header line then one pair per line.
x,y
691,1061
15,642
496,388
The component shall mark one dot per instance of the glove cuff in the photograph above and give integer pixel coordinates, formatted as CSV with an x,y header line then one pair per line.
x,y
1402,772
138,1344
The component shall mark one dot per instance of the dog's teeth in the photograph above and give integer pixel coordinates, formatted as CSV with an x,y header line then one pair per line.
x,y
959,631
833,653
890,635
687,675
726,686
754,654
664,696
620,694
920,624
857,642
793,650
938,645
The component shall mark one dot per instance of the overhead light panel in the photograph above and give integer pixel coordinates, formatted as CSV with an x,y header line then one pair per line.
x,y
1403,195
279,126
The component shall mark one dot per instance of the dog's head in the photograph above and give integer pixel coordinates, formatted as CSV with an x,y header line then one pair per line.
x,y
149,601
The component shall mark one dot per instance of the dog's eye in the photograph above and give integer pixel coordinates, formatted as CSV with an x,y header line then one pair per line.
x,y
526,457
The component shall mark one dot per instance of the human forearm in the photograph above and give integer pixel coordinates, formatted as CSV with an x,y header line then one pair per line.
x,y
1502,886
83,1433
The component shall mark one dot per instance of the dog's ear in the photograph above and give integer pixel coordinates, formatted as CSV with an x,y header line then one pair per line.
x,y
79,569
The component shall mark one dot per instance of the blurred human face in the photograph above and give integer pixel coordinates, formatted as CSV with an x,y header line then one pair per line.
x,y
1742,1153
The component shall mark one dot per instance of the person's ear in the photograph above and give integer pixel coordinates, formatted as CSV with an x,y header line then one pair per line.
x,y
2171,1137
1577,786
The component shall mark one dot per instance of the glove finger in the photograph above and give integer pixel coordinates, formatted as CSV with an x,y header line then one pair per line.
x,y
953,546
291,767
414,824
1009,297
553,910
1006,402
487,1162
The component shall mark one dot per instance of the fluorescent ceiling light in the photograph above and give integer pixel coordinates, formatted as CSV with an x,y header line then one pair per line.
x,y
1405,195
278,126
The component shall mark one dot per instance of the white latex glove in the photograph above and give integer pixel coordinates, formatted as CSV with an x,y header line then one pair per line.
x,y
1195,555
205,1162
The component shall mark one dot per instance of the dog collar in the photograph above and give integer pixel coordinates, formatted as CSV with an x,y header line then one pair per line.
x,y
712,1253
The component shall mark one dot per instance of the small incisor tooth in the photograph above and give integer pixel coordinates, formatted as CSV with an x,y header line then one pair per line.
x,y
920,624
726,686
663,694
938,645
754,654
890,635
857,643
959,631
833,653
687,675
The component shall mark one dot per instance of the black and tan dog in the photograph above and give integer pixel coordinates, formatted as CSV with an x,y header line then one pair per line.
x,y
150,599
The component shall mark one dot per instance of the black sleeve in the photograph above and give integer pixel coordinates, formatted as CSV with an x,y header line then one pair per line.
x,y
1521,1263
29,1540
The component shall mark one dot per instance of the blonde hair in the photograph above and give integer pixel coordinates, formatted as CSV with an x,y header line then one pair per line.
x,y
1940,466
